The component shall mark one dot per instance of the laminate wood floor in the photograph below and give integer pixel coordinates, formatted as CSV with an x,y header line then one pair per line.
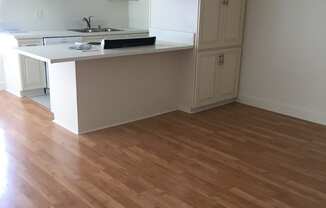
x,y
229,157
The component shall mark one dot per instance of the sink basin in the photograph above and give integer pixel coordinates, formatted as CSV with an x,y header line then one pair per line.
x,y
86,30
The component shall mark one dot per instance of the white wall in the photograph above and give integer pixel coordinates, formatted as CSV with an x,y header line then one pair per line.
x,y
2,77
61,14
174,15
284,59
139,14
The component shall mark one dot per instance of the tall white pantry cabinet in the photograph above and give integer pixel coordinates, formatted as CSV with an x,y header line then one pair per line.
x,y
218,55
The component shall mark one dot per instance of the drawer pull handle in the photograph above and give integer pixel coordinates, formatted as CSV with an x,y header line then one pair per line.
x,y
221,59
225,2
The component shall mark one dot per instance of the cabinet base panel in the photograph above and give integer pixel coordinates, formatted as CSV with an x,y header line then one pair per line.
x,y
208,107
32,93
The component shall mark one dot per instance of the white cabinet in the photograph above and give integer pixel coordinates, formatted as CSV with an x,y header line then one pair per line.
x,y
217,70
32,71
227,74
206,69
221,23
234,22
217,76
33,74
24,76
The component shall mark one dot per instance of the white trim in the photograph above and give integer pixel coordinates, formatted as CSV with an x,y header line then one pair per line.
x,y
285,109
126,122
65,127
14,93
211,106
32,93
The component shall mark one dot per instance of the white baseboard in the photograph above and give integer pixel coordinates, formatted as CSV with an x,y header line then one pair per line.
x,y
211,106
29,93
2,86
124,122
13,93
64,127
285,109
33,93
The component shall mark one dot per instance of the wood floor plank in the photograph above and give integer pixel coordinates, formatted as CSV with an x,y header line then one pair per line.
x,y
229,157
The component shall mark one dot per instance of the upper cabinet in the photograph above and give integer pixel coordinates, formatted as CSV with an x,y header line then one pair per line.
x,y
221,23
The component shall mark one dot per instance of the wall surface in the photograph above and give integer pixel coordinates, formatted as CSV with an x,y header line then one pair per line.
x,y
174,15
61,14
284,64
139,14
125,82
2,77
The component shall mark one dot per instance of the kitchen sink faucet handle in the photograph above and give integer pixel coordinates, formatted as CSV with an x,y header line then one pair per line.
x,y
88,21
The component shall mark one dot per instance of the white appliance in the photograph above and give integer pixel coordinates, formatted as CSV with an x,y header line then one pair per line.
x,y
55,41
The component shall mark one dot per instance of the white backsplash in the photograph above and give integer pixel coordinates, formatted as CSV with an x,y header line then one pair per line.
x,y
62,14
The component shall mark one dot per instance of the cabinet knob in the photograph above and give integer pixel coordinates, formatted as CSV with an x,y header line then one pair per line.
x,y
225,2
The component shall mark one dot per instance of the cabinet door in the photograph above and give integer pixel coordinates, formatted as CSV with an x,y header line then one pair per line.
x,y
211,23
227,74
233,22
33,74
217,77
221,23
206,66
32,71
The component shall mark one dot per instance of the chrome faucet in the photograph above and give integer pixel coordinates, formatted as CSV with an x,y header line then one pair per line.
x,y
88,21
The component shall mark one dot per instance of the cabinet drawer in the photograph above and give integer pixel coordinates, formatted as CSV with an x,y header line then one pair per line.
x,y
221,23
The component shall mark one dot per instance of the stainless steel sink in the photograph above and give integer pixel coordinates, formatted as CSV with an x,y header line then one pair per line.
x,y
93,30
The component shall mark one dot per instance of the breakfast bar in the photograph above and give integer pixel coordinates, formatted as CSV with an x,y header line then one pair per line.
x,y
96,88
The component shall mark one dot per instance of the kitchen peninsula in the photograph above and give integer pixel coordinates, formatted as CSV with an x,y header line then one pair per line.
x,y
96,89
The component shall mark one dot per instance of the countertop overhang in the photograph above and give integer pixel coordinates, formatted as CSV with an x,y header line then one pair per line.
x,y
62,53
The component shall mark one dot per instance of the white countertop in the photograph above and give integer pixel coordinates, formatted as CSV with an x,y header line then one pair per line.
x,y
66,33
62,53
